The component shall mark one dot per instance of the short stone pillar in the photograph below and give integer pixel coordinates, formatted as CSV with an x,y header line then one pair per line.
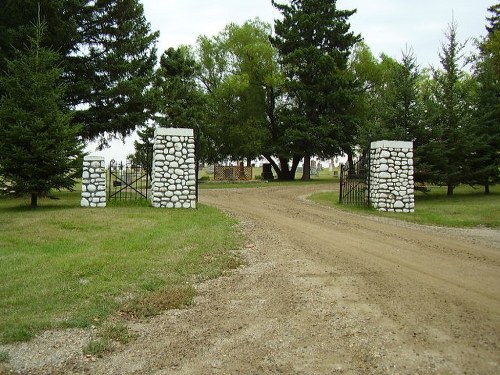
x,y
391,176
174,169
93,182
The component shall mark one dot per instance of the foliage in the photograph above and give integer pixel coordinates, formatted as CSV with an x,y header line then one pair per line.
x,y
485,160
240,75
143,154
182,102
387,105
447,105
39,149
115,73
314,43
108,55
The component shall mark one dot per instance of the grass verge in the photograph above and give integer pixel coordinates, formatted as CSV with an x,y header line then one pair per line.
x,y
65,266
468,207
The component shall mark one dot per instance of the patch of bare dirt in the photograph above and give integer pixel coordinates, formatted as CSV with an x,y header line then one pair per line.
x,y
323,292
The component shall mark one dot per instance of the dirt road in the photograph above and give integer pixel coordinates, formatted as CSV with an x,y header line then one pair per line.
x,y
326,292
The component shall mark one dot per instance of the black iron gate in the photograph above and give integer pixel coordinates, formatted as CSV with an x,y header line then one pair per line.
x,y
128,181
355,181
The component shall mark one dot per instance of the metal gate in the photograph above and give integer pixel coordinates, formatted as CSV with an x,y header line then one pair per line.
x,y
355,182
128,181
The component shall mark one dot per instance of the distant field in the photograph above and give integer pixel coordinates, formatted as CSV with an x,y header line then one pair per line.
x,y
468,207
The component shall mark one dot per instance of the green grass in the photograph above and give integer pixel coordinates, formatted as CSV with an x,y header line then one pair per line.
x,y
66,266
468,207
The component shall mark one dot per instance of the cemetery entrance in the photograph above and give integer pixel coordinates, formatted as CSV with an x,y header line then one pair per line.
x,y
128,181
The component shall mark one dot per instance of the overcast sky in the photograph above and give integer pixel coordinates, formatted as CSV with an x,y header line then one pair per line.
x,y
387,26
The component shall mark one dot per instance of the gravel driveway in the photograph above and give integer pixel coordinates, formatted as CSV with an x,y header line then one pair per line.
x,y
322,292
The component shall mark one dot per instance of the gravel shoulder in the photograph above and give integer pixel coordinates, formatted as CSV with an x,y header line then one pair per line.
x,y
322,292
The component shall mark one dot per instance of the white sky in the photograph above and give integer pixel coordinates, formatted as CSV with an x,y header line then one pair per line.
x,y
386,25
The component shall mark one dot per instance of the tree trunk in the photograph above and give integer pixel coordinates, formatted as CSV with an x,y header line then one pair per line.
x,y
306,169
450,190
283,171
295,163
285,174
350,161
34,200
486,188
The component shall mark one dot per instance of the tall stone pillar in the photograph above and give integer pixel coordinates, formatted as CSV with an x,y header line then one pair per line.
x,y
391,176
93,182
174,169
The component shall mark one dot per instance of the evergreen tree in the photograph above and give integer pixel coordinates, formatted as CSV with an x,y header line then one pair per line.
x,y
180,103
314,43
39,148
400,109
485,160
108,57
444,156
143,154
114,75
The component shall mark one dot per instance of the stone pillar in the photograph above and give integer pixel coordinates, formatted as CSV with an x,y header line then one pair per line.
x,y
93,182
391,176
174,169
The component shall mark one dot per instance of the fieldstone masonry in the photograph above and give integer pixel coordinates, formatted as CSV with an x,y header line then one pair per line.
x,y
174,169
93,182
391,176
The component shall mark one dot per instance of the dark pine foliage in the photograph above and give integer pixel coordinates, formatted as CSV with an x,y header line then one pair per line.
x,y
39,148
314,42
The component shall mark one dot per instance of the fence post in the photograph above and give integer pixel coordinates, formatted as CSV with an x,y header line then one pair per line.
x,y
93,182
341,192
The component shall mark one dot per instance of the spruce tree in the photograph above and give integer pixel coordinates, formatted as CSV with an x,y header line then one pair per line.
x,y
448,118
485,160
108,56
314,44
39,148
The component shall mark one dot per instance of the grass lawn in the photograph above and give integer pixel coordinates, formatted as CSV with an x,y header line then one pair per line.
x,y
468,207
66,266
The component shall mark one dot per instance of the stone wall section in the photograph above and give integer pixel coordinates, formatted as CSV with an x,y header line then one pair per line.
x,y
93,182
174,169
391,176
